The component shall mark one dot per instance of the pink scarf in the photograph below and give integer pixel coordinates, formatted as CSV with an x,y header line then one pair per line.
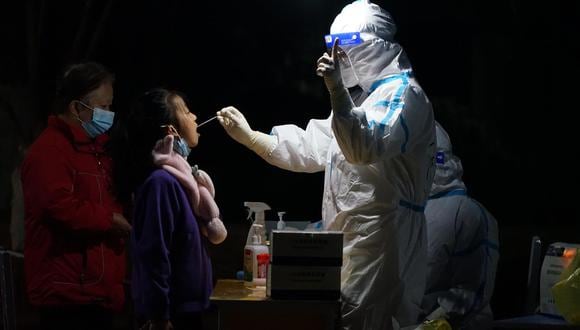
x,y
198,186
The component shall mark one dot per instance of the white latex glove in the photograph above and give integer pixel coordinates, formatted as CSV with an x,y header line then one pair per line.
x,y
438,313
328,67
437,320
237,127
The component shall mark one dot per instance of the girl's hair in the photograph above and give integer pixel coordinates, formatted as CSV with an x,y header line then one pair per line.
x,y
77,81
134,136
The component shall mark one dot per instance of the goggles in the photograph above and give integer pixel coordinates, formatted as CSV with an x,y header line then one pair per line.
x,y
344,39
440,158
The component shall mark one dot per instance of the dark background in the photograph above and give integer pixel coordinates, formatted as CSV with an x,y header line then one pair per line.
x,y
502,76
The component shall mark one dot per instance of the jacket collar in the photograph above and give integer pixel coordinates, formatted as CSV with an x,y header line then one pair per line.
x,y
78,137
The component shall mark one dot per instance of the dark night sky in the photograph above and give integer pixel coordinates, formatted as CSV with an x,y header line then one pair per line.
x,y
502,76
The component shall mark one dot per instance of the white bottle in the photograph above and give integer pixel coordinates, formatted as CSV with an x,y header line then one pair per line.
x,y
252,277
281,225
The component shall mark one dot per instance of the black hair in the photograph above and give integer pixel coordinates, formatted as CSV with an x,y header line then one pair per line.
x,y
77,81
134,136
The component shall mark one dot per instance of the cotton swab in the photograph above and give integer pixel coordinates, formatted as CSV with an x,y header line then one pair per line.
x,y
207,121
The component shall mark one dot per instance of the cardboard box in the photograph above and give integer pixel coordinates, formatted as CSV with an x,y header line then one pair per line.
x,y
305,265
305,247
303,282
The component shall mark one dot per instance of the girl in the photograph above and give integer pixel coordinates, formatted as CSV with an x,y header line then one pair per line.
x,y
173,210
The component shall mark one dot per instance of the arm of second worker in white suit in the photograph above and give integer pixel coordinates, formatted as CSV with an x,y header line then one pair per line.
x,y
391,130
474,260
301,150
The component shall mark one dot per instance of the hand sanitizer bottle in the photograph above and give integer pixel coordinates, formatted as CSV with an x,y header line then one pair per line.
x,y
281,225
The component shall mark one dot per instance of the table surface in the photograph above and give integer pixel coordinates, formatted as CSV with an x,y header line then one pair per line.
x,y
237,306
230,289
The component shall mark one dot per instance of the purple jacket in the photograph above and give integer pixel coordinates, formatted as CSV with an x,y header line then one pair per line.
x,y
171,269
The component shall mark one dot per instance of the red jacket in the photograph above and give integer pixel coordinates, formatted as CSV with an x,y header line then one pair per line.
x,y
70,256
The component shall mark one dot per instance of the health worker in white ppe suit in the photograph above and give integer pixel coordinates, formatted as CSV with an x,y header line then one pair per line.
x,y
378,159
463,247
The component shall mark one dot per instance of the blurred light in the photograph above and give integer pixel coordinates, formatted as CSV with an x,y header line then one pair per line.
x,y
569,253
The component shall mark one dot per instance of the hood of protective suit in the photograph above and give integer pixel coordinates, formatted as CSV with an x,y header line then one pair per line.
x,y
448,170
379,55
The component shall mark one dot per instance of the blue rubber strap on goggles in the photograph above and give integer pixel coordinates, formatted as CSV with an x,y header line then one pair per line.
x,y
344,39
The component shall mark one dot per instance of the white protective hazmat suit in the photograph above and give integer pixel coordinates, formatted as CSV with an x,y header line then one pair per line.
x,y
378,160
463,247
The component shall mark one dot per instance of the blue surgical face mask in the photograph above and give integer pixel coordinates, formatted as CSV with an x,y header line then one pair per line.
x,y
180,146
100,123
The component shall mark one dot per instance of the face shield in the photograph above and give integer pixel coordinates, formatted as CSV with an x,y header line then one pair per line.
x,y
448,171
374,49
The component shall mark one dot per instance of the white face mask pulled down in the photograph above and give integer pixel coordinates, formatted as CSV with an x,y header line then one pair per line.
x,y
347,71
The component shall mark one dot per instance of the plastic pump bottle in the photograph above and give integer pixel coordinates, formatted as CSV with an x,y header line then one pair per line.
x,y
254,254
281,225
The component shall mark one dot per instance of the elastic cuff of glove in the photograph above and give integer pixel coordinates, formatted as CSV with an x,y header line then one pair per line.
x,y
337,91
263,144
341,102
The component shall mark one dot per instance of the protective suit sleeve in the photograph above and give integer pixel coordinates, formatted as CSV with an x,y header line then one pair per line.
x,y
302,150
384,128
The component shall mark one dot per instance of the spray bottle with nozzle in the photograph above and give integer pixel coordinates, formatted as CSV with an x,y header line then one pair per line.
x,y
255,245
256,210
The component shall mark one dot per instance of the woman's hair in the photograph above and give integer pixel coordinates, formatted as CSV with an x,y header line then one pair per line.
x,y
134,136
77,81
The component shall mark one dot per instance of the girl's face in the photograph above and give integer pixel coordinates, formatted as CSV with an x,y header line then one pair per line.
x,y
186,121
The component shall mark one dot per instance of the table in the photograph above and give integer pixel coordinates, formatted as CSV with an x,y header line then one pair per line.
x,y
235,306
534,321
